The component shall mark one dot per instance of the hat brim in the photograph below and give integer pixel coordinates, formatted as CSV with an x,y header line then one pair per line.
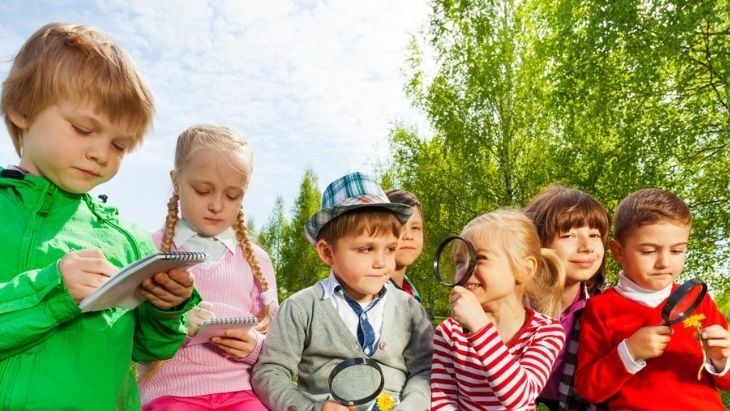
x,y
322,217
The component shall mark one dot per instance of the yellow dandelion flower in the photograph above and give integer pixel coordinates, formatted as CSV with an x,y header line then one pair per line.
x,y
694,321
385,402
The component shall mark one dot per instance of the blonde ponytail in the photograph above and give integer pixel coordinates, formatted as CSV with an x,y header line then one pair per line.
x,y
545,289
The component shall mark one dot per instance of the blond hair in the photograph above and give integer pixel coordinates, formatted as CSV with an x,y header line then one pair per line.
x,y
236,152
516,236
69,61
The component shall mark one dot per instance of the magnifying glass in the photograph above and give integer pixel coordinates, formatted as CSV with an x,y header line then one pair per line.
x,y
356,381
454,261
683,301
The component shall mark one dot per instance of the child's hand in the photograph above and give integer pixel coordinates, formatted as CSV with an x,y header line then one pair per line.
x,y
237,343
335,406
168,290
649,342
716,343
201,312
84,271
466,309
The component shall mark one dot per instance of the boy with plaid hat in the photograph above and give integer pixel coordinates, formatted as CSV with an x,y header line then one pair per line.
x,y
354,312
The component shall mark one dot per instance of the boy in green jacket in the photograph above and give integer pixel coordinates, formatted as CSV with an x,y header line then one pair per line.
x,y
74,105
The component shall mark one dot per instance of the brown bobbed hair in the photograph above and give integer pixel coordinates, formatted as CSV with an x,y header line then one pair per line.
x,y
557,209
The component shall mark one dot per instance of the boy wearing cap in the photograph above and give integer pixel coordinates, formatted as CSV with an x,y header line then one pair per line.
x,y
353,313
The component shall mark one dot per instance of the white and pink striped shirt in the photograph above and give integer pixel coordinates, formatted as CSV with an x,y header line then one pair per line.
x,y
227,282
480,372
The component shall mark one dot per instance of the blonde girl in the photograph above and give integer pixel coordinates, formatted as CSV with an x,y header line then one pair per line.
x,y
575,226
212,171
503,361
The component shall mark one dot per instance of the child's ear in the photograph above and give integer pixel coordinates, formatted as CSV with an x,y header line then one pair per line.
x,y
530,270
325,252
617,250
19,120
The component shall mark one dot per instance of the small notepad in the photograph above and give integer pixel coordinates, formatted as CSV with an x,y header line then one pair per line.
x,y
217,327
121,289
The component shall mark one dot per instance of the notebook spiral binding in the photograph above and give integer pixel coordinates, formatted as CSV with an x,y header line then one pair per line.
x,y
232,320
185,256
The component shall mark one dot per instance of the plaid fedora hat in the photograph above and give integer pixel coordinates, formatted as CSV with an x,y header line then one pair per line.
x,y
352,191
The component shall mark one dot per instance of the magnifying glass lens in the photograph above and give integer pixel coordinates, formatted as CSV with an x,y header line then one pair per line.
x,y
356,381
453,262
683,301
688,302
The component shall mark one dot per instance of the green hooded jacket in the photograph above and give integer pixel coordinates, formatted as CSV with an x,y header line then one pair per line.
x,y
53,357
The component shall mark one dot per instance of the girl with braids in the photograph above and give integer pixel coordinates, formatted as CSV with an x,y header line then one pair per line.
x,y
501,358
212,171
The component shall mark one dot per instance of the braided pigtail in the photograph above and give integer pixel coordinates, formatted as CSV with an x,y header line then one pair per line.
x,y
170,223
244,241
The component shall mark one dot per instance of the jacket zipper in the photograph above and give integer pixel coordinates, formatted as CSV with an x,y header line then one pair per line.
x,y
47,200
132,241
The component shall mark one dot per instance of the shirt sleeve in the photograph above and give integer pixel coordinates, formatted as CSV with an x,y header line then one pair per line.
x,y
600,372
159,333
444,391
720,379
273,374
416,394
32,305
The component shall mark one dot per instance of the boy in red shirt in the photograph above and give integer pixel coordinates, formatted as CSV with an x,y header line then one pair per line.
x,y
626,356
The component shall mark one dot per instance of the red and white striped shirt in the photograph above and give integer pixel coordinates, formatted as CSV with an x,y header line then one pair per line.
x,y
480,372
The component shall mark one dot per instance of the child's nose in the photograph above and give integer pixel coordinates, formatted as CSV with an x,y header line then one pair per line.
x,y
584,243
215,205
379,260
98,154
662,259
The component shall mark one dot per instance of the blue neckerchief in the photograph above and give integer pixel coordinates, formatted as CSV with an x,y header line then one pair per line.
x,y
365,332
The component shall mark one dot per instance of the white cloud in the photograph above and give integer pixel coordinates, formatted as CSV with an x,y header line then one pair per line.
x,y
308,83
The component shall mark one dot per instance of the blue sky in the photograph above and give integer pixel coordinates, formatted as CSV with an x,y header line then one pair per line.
x,y
308,83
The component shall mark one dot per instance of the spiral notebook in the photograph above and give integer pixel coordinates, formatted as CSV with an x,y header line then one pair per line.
x,y
121,288
216,327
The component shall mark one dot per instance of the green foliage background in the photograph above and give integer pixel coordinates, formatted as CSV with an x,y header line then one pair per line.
x,y
605,96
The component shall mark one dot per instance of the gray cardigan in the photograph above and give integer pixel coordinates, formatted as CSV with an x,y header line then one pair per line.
x,y
308,339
